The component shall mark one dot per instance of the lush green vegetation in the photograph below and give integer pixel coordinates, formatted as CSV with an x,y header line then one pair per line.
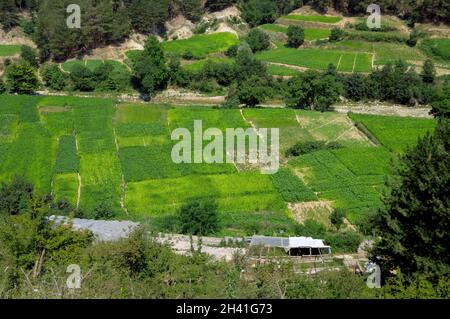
x,y
201,45
310,33
319,59
313,18
393,132
9,50
439,48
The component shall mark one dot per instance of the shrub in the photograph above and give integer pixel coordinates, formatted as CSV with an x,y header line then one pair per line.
x,y
15,196
302,148
337,218
344,241
103,211
258,40
22,78
30,55
296,36
336,35
232,51
311,228
53,77
199,217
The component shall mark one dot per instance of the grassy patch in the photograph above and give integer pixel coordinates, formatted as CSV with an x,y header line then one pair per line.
x,y
282,70
9,50
395,133
313,18
67,160
65,187
201,45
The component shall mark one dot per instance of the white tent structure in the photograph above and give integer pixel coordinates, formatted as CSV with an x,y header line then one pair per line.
x,y
305,246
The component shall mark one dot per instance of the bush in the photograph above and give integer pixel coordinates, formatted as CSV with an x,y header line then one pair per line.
x,y
344,241
311,228
336,35
30,55
258,40
199,217
296,36
15,196
22,78
302,148
53,77
232,51
103,211
337,218
82,78
413,38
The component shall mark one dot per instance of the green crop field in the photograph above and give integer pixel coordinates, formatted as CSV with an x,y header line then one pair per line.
x,y
317,59
197,66
92,64
313,18
351,177
202,45
9,50
310,33
395,133
90,150
439,48
281,70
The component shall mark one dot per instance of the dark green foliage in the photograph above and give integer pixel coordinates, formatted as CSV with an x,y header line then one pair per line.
x,y
258,40
103,211
253,91
356,87
440,107
311,228
150,68
302,148
54,78
2,87
336,34
30,55
148,16
414,224
247,65
199,217
337,218
21,78
232,51
428,71
82,78
67,160
15,196
312,90
256,12
9,14
413,38
291,188
344,241
192,9
296,36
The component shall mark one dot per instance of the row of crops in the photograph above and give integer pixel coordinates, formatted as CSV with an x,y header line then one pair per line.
x,y
90,150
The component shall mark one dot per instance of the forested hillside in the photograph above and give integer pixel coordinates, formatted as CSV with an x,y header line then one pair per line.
x,y
105,22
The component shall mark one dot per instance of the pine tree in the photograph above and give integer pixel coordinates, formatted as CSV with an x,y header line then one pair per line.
x,y
414,224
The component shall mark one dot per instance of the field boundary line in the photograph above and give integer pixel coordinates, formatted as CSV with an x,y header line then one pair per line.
x,y
79,190
354,63
339,62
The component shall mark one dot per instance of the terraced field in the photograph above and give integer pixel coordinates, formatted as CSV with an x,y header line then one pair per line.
x,y
202,45
310,33
319,59
9,50
88,150
313,18
92,64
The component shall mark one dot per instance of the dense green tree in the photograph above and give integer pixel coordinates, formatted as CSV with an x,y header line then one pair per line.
x,y
258,40
440,107
150,68
256,12
355,87
253,91
247,65
414,224
148,16
22,78
217,5
296,36
428,71
82,78
336,35
15,196
199,217
30,55
312,90
2,87
9,17
54,78
337,218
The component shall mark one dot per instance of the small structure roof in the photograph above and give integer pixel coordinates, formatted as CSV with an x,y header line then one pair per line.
x,y
288,242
